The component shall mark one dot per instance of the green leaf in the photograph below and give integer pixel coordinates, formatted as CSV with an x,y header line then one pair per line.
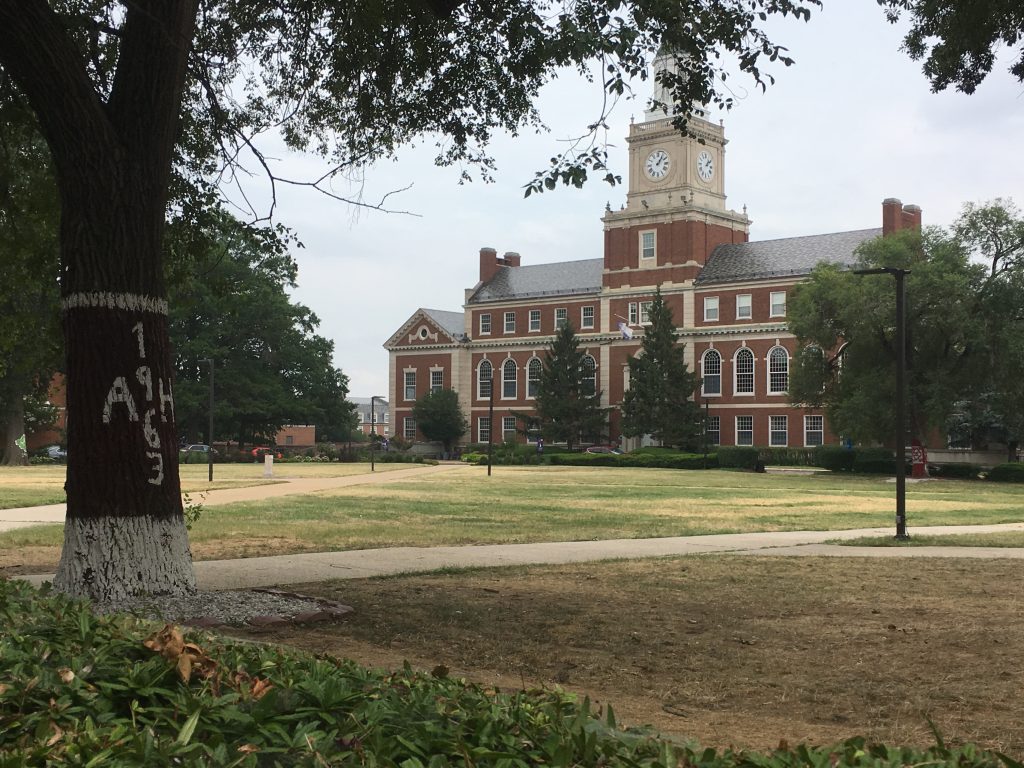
x,y
185,735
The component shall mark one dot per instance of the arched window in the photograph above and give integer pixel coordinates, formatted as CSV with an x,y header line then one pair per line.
x,y
711,371
533,371
744,372
778,371
508,380
483,380
588,376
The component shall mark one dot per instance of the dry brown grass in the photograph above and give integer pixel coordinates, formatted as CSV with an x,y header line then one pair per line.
x,y
742,651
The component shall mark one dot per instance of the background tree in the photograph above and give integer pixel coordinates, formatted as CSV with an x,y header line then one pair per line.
x,y
130,96
958,40
659,401
845,324
568,404
29,330
439,417
229,302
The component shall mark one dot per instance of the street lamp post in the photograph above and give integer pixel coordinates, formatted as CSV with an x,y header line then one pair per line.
x,y
209,434
490,427
901,364
373,430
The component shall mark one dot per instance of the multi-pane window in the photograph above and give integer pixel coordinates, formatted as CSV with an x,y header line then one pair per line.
x,y
561,317
744,372
534,320
814,430
647,245
744,309
645,312
483,429
508,428
508,379
410,385
712,373
510,322
409,428
778,371
588,375
587,317
634,313
713,430
485,323
778,304
711,308
533,371
778,431
744,430
483,380
436,381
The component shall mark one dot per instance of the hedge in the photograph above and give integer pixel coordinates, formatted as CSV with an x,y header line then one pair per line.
x,y
788,457
738,457
955,471
1007,473
834,457
673,460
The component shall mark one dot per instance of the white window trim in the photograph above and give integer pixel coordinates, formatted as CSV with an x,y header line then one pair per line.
x,y
405,428
770,431
432,372
405,386
642,260
719,430
530,321
736,372
645,309
768,371
514,432
480,323
721,363
479,429
750,307
718,309
736,434
479,379
502,381
807,444
771,304
565,312
528,364
583,318
504,322
634,313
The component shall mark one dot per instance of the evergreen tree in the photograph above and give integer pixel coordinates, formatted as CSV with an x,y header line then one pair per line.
x,y
659,402
568,401
439,417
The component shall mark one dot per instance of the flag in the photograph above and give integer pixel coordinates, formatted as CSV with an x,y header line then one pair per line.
x,y
627,332
20,442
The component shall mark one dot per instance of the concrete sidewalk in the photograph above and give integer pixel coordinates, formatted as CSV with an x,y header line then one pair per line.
x,y
283,486
356,564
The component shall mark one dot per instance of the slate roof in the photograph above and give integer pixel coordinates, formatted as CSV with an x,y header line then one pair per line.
x,y
450,321
787,256
561,278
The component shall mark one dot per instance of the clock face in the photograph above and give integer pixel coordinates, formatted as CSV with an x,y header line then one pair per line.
x,y
657,164
705,166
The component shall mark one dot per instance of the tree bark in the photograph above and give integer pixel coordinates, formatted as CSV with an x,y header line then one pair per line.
x,y
13,421
125,533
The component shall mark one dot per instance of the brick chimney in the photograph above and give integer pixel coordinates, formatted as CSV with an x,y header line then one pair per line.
x,y
897,216
511,259
488,264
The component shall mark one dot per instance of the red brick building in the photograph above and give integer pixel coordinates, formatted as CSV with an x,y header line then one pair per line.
x,y
727,294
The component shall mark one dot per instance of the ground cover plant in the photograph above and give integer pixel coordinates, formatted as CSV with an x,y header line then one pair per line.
x,y
462,505
723,649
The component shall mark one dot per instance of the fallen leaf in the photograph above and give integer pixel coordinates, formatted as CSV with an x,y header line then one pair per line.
x,y
66,674
260,688
57,734
248,749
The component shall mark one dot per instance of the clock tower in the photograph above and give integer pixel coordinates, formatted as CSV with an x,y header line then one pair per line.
x,y
675,211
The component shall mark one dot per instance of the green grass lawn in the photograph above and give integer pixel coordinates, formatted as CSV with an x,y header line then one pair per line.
x,y
524,504
36,485
1006,539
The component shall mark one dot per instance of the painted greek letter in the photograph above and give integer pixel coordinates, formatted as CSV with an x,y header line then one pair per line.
x,y
119,394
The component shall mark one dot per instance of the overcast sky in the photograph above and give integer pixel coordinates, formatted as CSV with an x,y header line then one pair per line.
x,y
851,123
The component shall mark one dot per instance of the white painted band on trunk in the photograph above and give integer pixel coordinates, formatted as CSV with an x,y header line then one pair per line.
x,y
110,558
132,302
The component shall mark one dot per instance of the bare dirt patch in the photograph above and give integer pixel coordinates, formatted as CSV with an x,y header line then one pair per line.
x,y
741,651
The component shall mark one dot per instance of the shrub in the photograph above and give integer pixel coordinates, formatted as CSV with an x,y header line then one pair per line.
x,y
787,457
834,457
878,461
738,457
661,460
1007,473
960,471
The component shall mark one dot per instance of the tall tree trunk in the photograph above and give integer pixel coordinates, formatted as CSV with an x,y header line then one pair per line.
x,y
125,533
13,422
